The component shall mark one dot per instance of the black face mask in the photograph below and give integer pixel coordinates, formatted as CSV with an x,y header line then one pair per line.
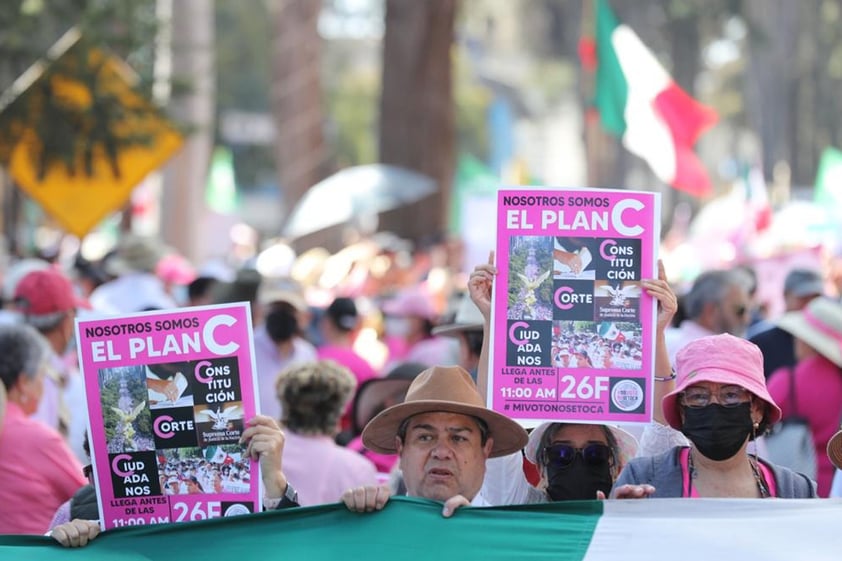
x,y
718,432
281,324
578,481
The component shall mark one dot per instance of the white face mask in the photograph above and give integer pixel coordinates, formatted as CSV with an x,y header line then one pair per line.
x,y
397,326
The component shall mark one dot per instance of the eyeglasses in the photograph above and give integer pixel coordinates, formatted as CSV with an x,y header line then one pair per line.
x,y
562,455
727,396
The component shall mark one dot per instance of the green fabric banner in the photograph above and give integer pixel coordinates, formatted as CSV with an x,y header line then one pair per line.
x,y
407,528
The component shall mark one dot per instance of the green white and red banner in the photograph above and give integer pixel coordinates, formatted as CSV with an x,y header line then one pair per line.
x,y
413,529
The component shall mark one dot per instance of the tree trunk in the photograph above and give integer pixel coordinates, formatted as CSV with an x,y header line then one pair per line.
x,y
183,207
417,116
296,97
770,87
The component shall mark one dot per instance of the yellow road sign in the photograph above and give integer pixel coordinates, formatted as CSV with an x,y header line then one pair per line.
x,y
102,171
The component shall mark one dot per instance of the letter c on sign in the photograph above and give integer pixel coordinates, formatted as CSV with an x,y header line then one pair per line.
x,y
198,371
157,426
617,217
602,248
514,326
118,458
558,302
210,341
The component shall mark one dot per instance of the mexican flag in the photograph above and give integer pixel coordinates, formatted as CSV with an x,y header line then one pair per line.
x,y
639,102
215,454
414,529
607,330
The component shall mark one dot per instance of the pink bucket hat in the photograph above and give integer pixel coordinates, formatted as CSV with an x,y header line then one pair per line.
x,y
721,359
412,302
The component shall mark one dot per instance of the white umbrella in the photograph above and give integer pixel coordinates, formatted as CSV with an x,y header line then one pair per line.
x,y
355,191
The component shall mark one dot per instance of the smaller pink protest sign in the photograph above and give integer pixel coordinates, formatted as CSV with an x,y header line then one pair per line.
x,y
573,331
168,395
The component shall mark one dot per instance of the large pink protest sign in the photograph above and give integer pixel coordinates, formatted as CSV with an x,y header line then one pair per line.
x,y
168,394
572,330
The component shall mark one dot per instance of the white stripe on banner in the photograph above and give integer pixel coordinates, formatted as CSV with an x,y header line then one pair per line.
x,y
718,530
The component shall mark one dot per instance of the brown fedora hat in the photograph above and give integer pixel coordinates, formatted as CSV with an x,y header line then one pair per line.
x,y
834,449
444,389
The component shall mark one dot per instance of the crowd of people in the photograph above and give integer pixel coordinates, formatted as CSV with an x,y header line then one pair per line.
x,y
351,417
187,472
572,349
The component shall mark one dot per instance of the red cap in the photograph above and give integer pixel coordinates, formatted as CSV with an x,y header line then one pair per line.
x,y
45,292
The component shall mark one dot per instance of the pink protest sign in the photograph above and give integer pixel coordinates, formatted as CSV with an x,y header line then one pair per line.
x,y
572,330
168,394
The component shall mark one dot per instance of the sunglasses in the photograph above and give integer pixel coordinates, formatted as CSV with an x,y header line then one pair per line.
x,y
562,455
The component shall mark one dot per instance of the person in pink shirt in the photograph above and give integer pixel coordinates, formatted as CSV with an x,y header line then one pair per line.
x,y
2,403
339,326
38,472
47,300
313,396
813,388
409,322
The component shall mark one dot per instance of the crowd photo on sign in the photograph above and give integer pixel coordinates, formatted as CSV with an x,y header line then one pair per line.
x,y
503,275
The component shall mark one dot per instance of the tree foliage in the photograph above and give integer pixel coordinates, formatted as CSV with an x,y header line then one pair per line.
x,y
74,110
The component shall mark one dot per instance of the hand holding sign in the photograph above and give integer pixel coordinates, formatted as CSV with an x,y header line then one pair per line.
x,y
264,442
667,302
76,533
479,286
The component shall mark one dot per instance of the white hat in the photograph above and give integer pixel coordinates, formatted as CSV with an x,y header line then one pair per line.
x,y
281,289
135,253
626,443
468,317
819,325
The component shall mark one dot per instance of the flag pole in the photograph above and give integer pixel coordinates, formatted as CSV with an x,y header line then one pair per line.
x,y
594,137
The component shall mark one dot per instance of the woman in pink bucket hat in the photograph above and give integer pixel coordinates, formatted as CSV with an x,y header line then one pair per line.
x,y
720,403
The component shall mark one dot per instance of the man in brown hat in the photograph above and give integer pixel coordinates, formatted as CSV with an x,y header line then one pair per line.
x,y
443,434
